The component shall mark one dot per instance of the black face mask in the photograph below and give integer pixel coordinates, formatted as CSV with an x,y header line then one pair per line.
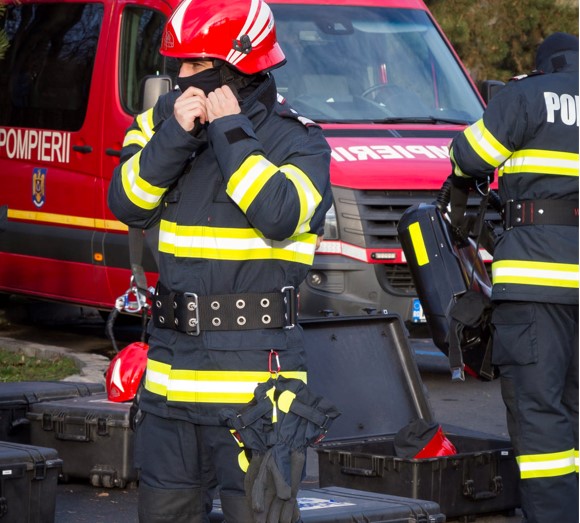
x,y
208,80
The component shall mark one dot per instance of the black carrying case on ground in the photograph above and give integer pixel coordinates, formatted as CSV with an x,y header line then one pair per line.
x,y
340,505
16,399
28,481
92,435
366,367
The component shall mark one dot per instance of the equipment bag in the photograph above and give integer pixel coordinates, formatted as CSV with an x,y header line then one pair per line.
x,y
452,284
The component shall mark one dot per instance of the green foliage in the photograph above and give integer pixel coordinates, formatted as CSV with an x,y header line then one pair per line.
x,y
3,37
497,39
19,367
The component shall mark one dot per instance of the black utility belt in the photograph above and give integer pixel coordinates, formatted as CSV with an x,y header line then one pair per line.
x,y
519,213
190,313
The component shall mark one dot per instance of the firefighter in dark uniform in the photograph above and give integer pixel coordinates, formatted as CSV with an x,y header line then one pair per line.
x,y
239,185
530,132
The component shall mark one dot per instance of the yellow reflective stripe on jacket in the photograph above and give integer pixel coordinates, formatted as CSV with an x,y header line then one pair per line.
x,y
139,191
576,460
205,386
456,170
546,465
541,162
245,184
144,133
535,273
307,193
224,243
485,145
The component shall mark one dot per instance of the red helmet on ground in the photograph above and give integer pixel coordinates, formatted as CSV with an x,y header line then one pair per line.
x,y
239,32
125,372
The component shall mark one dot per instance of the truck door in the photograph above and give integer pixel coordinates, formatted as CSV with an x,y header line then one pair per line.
x,y
133,54
49,141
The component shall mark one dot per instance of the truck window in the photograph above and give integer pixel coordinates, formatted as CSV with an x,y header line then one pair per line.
x,y
140,57
46,73
356,63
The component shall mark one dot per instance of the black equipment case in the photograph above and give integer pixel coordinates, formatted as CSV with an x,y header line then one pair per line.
x,y
340,505
444,267
16,399
366,367
28,481
92,435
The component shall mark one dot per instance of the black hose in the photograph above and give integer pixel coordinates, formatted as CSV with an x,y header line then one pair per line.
x,y
109,327
444,196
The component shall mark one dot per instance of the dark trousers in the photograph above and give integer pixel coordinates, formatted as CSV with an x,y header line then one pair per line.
x,y
181,464
535,346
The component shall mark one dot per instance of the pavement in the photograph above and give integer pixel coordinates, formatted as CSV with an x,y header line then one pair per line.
x,y
41,329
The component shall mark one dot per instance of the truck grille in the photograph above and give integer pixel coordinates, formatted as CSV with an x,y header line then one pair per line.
x,y
369,218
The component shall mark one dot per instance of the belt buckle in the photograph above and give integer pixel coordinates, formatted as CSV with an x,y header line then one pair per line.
x,y
507,215
290,306
193,313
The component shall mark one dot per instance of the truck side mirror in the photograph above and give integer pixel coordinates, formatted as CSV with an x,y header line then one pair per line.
x,y
489,88
152,87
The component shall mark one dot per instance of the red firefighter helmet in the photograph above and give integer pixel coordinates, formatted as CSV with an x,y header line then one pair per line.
x,y
239,32
421,439
125,372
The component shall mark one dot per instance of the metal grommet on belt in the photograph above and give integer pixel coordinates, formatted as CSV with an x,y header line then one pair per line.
x,y
161,319
191,305
215,305
266,319
216,322
192,322
241,320
240,304
158,304
265,302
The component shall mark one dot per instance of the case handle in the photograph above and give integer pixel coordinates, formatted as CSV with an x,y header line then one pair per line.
x,y
356,471
469,491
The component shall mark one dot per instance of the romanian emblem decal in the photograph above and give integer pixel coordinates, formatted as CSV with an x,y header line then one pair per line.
x,y
38,186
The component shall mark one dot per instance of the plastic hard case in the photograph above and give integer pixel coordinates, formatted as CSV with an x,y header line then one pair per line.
x,y
340,505
92,435
28,481
366,367
16,400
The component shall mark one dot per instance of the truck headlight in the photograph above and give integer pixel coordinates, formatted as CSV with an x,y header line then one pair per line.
x,y
331,225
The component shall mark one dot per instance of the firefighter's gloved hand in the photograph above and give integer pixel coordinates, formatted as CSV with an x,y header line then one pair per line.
x,y
272,498
459,187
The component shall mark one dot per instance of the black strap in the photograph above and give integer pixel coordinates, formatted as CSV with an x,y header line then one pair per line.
x,y
469,311
136,242
518,213
190,313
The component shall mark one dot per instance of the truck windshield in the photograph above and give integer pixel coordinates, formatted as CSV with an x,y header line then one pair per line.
x,y
361,64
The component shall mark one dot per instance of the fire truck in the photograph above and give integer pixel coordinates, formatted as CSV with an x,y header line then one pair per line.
x,y
379,76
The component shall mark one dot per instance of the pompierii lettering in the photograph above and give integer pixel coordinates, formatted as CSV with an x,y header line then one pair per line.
x,y
35,145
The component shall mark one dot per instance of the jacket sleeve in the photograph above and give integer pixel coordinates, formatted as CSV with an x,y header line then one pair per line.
x,y
155,152
284,200
489,142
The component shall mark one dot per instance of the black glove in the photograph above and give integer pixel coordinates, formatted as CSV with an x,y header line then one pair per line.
x,y
282,420
454,192
272,498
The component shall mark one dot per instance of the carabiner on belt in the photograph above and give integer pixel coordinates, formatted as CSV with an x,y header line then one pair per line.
x,y
274,359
